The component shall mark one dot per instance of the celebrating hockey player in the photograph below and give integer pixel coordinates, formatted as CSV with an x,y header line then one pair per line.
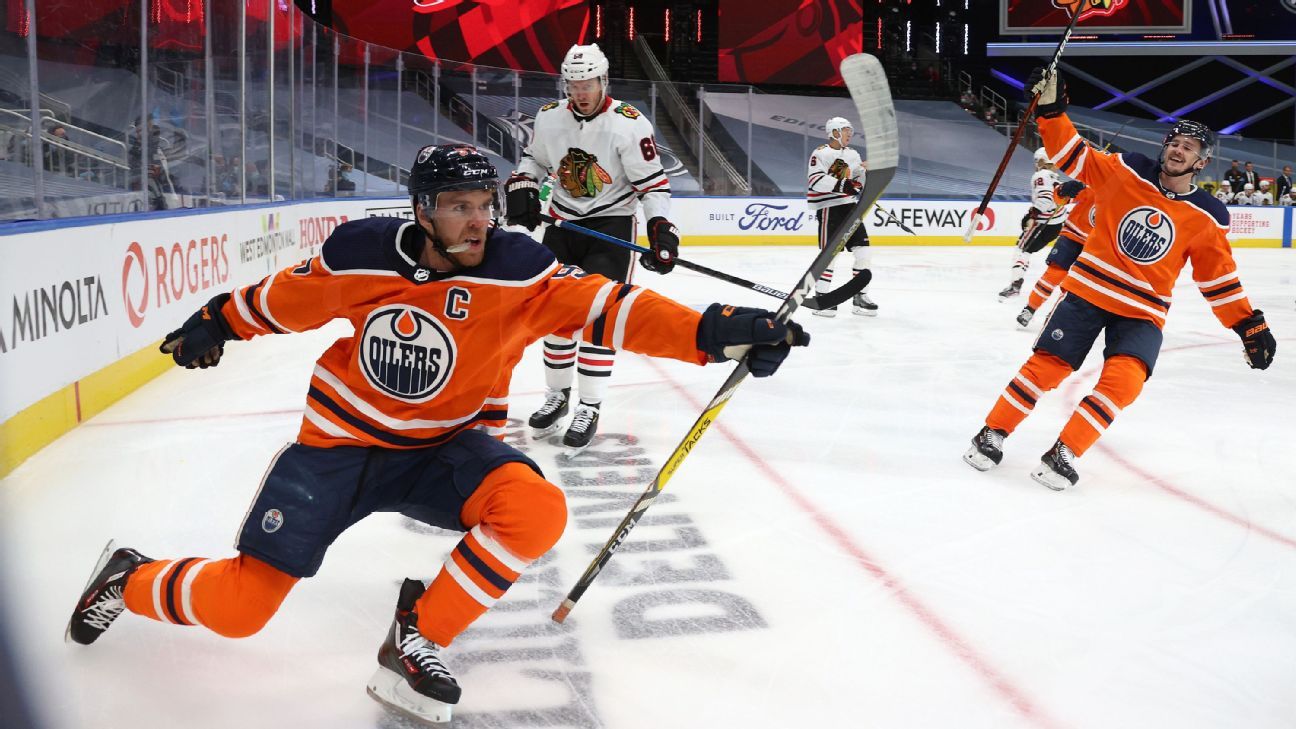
x,y
834,181
1066,248
1150,221
1043,222
605,157
402,417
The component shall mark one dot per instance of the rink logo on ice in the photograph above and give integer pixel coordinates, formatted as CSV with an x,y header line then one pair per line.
x,y
1145,235
272,520
406,353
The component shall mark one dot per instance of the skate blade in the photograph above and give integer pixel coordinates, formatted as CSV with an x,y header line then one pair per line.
x,y
977,460
390,690
864,312
825,313
103,560
1045,477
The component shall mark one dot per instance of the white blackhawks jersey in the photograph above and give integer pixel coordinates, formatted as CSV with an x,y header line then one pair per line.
x,y
1046,206
828,167
604,165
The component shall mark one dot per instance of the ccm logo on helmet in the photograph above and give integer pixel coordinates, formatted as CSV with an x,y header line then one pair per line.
x,y
1145,235
406,353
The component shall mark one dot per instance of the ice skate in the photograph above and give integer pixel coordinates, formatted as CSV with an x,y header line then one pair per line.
x,y
103,598
547,419
411,678
1013,289
584,426
825,313
987,449
1024,317
862,305
1057,468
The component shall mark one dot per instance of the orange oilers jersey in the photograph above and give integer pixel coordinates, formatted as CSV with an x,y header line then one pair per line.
x,y
432,352
1142,236
1081,218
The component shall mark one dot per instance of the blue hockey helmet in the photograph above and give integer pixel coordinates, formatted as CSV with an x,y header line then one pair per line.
x,y
449,167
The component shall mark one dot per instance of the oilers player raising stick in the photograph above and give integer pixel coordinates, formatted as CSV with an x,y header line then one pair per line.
x,y
605,157
834,180
405,415
1044,220
1150,221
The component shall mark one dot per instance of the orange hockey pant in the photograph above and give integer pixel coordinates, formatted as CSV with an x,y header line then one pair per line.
x,y
514,517
1119,385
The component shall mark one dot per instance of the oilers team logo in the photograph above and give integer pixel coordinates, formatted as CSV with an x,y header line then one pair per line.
x,y
272,520
1145,235
406,353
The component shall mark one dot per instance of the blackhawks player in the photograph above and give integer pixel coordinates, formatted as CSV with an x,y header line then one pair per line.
x,y
834,180
1048,211
604,155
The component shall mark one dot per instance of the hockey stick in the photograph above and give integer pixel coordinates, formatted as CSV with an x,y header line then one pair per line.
x,y
891,218
868,87
1021,126
826,300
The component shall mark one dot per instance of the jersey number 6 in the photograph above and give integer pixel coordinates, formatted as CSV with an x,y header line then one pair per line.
x,y
648,148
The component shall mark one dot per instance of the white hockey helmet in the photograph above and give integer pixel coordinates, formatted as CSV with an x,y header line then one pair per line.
x,y
1248,187
1041,155
1264,184
585,62
1225,183
836,124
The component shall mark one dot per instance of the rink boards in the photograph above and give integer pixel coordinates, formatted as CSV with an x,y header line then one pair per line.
x,y
84,306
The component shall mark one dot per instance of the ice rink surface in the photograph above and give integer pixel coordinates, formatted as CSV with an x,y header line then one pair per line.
x,y
824,558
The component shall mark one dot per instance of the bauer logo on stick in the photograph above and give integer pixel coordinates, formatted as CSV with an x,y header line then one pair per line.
x,y
1145,235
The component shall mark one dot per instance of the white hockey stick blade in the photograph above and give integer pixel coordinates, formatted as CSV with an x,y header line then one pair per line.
x,y
867,83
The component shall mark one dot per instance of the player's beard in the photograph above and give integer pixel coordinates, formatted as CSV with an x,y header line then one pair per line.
x,y
447,253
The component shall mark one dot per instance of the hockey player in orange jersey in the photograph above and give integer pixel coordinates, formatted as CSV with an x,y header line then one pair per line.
x,y
1150,222
401,417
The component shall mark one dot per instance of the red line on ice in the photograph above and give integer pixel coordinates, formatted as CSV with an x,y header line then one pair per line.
x,y
952,640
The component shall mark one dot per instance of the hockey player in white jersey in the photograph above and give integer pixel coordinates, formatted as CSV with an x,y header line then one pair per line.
x,y
1245,196
834,180
1225,192
604,155
1263,196
1042,223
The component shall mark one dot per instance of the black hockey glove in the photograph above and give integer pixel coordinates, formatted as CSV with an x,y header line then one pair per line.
x,y
1258,344
200,341
1052,93
663,238
1070,188
850,186
728,332
522,202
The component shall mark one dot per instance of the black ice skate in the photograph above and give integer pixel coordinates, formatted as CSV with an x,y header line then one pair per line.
x,y
584,426
987,449
1057,468
411,678
547,419
1024,318
1012,290
863,305
103,598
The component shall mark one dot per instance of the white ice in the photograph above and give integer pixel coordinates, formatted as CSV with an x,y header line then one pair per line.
x,y
824,557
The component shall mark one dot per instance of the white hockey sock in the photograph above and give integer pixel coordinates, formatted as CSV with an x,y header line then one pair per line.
x,y
593,370
863,258
560,361
824,284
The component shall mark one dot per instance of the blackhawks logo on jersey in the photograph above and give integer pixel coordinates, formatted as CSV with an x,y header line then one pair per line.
x,y
839,169
550,105
580,174
627,111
